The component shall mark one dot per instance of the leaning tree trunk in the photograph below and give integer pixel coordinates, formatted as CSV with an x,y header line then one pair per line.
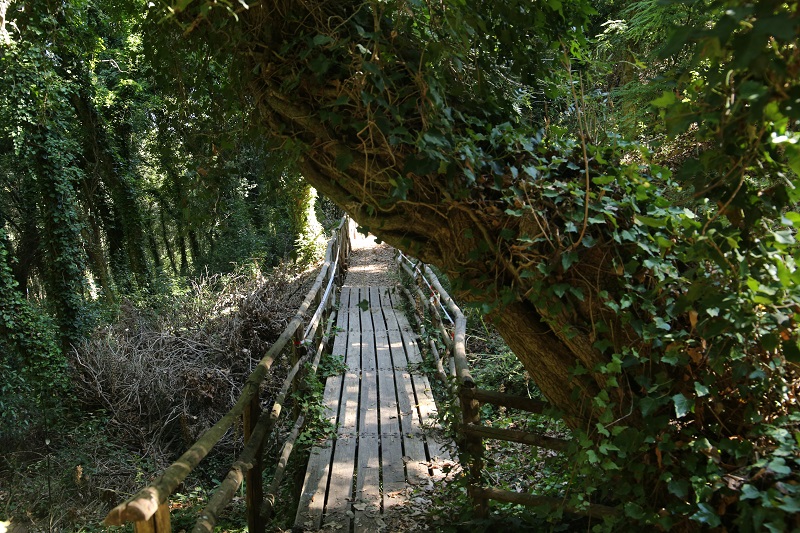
x,y
492,208
349,158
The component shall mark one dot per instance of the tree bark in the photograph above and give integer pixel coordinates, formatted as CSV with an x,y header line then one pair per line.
x,y
442,224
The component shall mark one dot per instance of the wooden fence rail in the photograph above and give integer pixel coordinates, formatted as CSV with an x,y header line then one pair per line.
x,y
149,510
434,298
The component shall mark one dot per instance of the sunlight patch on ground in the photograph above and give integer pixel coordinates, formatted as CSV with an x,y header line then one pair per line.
x,y
363,242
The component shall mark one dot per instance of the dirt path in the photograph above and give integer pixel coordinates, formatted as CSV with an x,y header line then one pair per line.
x,y
371,264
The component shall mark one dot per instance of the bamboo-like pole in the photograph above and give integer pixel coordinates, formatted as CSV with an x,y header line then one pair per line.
x,y
247,460
529,500
511,435
460,337
440,373
435,313
288,446
158,523
506,400
249,464
254,486
143,505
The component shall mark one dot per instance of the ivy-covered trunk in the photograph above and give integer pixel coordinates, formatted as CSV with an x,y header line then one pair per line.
x,y
65,279
358,134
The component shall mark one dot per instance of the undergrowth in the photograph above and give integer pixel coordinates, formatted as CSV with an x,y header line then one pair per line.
x,y
142,388
507,465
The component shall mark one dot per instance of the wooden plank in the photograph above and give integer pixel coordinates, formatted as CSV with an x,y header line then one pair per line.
x,y
375,303
340,486
365,310
389,416
412,434
367,502
387,293
391,440
424,401
312,497
423,397
353,310
367,338
394,481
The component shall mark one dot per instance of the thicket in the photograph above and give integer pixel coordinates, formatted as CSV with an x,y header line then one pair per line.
x,y
141,389
121,177
140,224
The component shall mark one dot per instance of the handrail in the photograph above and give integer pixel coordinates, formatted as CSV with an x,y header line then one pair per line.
x,y
470,398
439,295
141,507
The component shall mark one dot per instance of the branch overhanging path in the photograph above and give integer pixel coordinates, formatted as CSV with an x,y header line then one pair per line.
x,y
382,405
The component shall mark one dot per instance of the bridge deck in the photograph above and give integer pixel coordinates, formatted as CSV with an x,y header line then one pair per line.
x,y
381,409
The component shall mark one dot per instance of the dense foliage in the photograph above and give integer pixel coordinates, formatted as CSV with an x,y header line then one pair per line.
x,y
614,185
117,181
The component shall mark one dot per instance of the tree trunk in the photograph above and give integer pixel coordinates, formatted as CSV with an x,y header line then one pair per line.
x,y
102,165
456,228
165,237
65,281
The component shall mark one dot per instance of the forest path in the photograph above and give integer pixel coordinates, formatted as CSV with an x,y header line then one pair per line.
x,y
382,407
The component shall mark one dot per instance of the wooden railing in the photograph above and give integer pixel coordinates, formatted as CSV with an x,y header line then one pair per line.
x,y
430,295
149,509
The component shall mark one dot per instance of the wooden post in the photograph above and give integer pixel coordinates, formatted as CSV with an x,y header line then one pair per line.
x,y
473,446
254,491
158,523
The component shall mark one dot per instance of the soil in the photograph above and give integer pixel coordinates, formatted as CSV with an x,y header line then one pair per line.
x,y
371,264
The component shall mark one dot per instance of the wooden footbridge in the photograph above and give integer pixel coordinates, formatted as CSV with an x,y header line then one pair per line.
x,y
382,407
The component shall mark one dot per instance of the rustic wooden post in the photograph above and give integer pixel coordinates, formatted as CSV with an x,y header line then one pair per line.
x,y
473,445
254,490
158,523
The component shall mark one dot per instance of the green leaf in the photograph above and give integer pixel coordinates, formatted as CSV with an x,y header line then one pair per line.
x,y
791,350
679,487
700,389
683,405
320,40
651,222
749,492
666,99
706,515
363,305
662,324
783,237
568,259
648,405
790,505
778,465
603,180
